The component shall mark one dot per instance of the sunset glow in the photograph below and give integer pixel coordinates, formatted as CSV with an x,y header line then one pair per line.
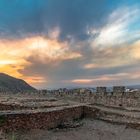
x,y
55,47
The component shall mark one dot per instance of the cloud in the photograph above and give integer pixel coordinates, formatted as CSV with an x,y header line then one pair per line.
x,y
118,29
135,50
115,56
20,19
16,55
107,67
108,79
52,43
100,79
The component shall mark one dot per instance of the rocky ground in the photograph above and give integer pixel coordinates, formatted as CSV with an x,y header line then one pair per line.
x,y
87,130
84,130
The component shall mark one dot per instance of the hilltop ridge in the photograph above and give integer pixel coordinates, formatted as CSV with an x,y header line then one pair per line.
x,y
12,84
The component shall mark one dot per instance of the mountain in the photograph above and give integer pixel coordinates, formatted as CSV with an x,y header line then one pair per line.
x,y
11,84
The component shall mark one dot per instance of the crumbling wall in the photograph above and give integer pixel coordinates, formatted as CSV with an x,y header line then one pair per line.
x,y
11,107
39,120
53,118
118,90
101,90
116,98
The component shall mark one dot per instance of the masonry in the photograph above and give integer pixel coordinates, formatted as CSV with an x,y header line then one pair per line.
x,y
101,90
118,90
38,119
52,118
18,116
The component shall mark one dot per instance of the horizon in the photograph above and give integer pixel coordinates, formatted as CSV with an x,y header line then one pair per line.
x,y
137,86
51,43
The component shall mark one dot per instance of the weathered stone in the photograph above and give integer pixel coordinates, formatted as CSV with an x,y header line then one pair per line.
x,y
118,90
101,90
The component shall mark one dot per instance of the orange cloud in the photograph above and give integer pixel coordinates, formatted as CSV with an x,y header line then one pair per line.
x,y
82,81
135,50
34,79
101,79
14,54
90,66
52,49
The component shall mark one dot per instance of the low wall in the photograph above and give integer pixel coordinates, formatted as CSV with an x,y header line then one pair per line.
x,y
11,107
129,100
117,116
40,119
90,112
124,101
52,118
23,107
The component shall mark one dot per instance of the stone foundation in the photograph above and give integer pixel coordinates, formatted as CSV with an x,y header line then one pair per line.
x,y
11,107
38,119
118,90
52,118
101,90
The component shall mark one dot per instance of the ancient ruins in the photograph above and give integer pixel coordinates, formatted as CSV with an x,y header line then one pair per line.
x,y
49,110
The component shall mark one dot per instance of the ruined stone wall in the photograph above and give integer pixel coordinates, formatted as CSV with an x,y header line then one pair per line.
x,y
39,120
116,98
53,118
131,99
11,107
90,112
101,90
118,90
124,101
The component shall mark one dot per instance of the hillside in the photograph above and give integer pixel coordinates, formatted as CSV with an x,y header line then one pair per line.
x,y
11,84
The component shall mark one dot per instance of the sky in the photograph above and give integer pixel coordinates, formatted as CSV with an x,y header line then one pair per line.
x,y
70,43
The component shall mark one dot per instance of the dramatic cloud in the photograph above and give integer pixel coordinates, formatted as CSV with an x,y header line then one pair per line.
x,y
63,43
118,26
46,51
27,17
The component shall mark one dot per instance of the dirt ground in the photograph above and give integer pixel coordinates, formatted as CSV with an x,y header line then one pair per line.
x,y
90,130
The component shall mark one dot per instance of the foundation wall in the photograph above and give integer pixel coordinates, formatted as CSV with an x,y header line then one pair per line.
x,y
52,119
11,107
101,90
39,120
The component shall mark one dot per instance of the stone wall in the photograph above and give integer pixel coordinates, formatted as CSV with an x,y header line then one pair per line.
x,y
118,90
124,101
116,98
47,119
129,99
101,90
90,112
11,107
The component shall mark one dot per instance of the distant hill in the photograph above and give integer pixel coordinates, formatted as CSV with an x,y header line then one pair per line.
x,y
133,86
11,84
